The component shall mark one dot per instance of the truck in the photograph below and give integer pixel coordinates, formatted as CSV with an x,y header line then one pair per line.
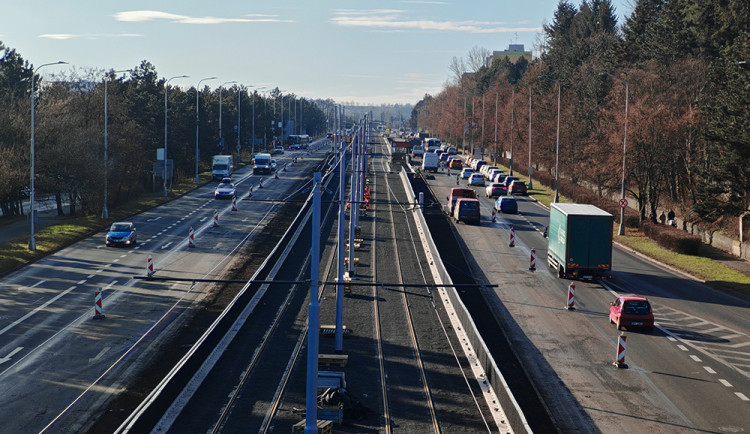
x,y
430,161
221,167
262,164
431,144
579,242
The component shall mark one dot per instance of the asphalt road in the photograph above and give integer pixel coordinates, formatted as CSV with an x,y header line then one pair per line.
x,y
59,366
691,374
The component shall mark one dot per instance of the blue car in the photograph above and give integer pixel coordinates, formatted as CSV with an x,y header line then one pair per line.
x,y
121,234
506,204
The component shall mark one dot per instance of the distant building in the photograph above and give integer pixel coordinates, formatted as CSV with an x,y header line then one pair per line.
x,y
513,53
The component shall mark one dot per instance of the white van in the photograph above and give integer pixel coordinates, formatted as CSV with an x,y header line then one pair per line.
x,y
430,161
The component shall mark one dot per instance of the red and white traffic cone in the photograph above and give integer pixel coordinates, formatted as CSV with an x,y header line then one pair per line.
x,y
150,266
98,311
191,238
493,215
260,182
571,297
216,218
620,362
512,237
234,204
532,264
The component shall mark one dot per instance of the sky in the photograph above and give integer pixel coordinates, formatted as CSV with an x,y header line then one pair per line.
x,y
374,52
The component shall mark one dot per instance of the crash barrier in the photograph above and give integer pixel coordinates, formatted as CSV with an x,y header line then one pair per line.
x,y
515,417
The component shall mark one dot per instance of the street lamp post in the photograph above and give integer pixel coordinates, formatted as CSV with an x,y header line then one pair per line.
x,y
166,91
495,141
481,145
557,145
32,194
512,119
252,150
221,137
530,169
105,211
624,148
197,124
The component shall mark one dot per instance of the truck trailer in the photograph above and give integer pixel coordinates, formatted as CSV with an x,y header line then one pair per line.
x,y
580,241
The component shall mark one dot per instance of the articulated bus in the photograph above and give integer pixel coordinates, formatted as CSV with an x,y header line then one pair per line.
x,y
298,141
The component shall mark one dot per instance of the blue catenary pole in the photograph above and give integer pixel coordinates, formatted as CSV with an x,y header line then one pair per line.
x,y
313,331
341,252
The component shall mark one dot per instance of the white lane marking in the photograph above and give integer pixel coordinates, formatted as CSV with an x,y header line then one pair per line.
x,y
694,357
81,282
114,282
682,347
136,248
670,338
725,382
742,396
12,353
732,336
154,219
89,276
28,315
116,260
709,370
203,219
122,256
165,246
741,344
32,286
99,356
107,265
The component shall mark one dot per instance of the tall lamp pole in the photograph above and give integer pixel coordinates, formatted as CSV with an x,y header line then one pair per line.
x,y
105,211
557,145
512,119
221,137
495,124
624,148
166,91
530,169
32,194
252,150
197,124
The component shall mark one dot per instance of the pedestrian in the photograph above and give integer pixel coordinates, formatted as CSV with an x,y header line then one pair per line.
x,y
662,218
670,218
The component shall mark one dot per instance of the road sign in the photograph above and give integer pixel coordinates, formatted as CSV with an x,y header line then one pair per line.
x,y
623,202
531,170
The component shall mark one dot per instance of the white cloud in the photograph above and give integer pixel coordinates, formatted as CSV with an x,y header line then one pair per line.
x,y
390,19
148,15
65,36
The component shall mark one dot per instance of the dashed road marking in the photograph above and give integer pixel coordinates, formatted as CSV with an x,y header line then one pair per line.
x,y
694,357
81,282
682,347
725,382
709,370
742,396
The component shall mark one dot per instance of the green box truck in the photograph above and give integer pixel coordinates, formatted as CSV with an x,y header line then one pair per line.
x,y
580,241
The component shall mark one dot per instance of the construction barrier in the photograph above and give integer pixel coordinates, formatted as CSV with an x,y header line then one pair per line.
x,y
98,311
512,237
532,265
493,215
150,266
620,362
260,183
216,218
571,297
234,204
191,238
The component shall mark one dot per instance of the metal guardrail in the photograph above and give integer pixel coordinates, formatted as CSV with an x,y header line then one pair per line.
x,y
516,418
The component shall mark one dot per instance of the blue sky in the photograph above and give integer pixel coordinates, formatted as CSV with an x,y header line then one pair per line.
x,y
374,52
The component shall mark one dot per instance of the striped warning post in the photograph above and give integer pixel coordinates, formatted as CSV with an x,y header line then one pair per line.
x,y
191,238
234,203
532,260
260,183
150,266
512,237
98,311
571,297
250,193
493,215
620,362
216,218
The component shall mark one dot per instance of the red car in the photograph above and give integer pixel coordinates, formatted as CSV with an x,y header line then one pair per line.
x,y
517,187
631,311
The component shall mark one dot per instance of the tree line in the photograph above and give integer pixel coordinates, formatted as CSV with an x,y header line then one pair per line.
x,y
69,130
684,64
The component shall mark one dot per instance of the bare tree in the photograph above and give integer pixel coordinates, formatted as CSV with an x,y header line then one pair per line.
x,y
458,68
477,57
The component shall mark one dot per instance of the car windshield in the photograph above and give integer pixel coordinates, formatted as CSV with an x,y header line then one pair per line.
x,y
638,307
225,185
120,227
469,204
